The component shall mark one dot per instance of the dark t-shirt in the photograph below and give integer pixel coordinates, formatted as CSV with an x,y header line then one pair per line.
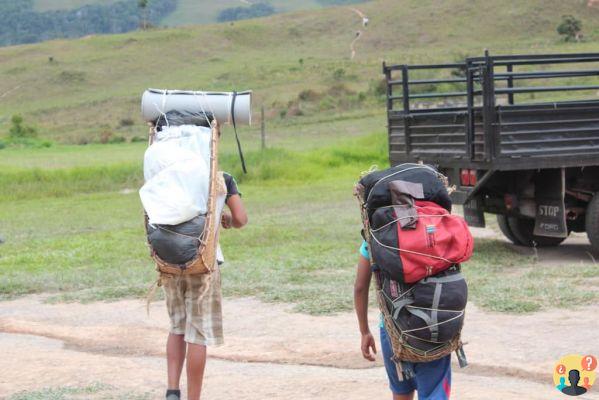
x,y
232,188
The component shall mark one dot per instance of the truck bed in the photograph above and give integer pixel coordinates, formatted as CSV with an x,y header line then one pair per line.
x,y
489,130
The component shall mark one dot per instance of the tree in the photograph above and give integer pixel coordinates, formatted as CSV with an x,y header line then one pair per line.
x,y
143,6
18,130
238,13
570,28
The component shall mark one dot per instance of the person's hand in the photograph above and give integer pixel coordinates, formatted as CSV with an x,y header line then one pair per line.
x,y
226,220
368,345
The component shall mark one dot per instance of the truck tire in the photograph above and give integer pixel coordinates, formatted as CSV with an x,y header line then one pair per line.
x,y
522,229
592,223
504,227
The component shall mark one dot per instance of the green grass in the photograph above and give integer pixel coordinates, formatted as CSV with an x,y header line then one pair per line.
x,y
500,280
96,391
300,246
73,222
89,172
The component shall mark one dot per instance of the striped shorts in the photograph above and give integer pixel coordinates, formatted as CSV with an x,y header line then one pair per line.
x,y
194,305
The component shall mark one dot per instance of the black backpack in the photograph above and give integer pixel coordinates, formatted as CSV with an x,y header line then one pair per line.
x,y
430,313
423,319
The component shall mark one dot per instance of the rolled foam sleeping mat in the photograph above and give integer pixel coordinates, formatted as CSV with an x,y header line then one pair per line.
x,y
156,102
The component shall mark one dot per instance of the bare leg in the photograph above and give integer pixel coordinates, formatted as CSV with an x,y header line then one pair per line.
x,y
196,362
175,356
403,396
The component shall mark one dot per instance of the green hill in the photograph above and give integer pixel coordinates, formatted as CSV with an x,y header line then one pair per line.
x,y
298,64
194,12
54,5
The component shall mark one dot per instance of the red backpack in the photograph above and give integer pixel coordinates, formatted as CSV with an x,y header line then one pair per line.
x,y
413,241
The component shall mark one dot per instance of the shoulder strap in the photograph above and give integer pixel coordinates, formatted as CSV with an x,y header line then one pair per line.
x,y
236,135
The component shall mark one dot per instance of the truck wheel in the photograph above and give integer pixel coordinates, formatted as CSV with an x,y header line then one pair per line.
x,y
523,228
505,229
592,222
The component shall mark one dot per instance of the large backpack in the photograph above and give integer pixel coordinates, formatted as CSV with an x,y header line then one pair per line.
x,y
190,247
416,248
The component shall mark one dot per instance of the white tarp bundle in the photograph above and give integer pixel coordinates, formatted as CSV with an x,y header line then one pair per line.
x,y
177,175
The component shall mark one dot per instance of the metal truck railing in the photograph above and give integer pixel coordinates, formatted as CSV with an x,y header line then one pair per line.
x,y
477,117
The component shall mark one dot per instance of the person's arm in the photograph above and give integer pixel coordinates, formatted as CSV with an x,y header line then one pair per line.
x,y
361,289
237,218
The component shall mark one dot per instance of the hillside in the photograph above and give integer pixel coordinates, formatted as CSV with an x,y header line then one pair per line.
x,y
76,91
194,12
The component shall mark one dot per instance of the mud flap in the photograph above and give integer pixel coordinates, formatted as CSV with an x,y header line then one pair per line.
x,y
550,191
474,213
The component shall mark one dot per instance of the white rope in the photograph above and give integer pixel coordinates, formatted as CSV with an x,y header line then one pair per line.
x,y
161,113
202,108
408,217
209,105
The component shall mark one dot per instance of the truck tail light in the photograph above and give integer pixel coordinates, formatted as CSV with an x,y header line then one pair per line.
x,y
468,177
509,201
464,177
473,178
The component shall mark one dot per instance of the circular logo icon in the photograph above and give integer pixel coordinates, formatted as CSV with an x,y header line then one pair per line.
x,y
574,374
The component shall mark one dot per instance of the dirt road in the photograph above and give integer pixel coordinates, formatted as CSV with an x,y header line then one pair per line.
x,y
117,351
271,352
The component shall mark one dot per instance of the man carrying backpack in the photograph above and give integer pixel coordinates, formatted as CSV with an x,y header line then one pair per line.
x,y
414,247
194,308
432,380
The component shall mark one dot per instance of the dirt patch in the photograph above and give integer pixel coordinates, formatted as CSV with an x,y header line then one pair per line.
x,y
270,352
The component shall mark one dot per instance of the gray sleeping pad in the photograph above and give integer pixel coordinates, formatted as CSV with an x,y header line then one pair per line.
x,y
177,244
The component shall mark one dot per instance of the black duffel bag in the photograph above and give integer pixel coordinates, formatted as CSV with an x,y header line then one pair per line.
x,y
177,244
430,313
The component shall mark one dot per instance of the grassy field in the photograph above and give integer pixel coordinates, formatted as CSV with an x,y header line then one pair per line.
x,y
95,83
96,390
70,215
193,12
80,237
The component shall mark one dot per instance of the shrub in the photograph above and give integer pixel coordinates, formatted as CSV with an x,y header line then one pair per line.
x,y
570,28
339,74
339,89
2,145
126,122
379,87
18,130
239,13
117,139
308,95
105,136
